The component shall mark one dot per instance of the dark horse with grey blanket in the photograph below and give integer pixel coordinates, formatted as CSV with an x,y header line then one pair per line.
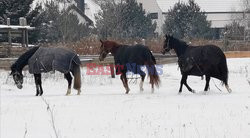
x,y
208,60
131,58
41,60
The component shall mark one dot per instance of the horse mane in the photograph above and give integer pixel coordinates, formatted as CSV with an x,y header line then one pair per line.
x,y
180,46
23,59
112,46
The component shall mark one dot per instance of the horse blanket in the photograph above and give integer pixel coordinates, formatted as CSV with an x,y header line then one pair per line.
x,y
51,59
129,55
204,58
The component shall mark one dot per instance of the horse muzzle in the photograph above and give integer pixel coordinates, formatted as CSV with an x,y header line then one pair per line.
x,y
19,86
101,59
163,52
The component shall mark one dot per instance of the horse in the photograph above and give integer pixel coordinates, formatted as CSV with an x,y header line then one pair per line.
x,y
208,60
130,59
45,59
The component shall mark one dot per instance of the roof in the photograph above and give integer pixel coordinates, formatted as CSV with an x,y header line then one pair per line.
x,y
73,7
91,8
16,27
206,5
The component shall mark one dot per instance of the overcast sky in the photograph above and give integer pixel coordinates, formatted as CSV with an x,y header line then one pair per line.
x,y
206,5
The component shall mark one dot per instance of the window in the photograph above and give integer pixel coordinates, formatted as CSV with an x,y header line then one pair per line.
x,y
153,15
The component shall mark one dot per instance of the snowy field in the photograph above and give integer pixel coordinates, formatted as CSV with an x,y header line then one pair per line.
x,y
103,110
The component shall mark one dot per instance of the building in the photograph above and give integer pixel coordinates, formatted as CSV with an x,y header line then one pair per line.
x,y
220,13
151,7
85,10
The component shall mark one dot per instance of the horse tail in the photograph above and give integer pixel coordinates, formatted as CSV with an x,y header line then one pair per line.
x,y
154,77
224,70
226,73
153,58
153,74
77,77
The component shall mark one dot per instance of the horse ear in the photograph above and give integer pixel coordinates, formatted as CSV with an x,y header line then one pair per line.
x,y
101,41
11,73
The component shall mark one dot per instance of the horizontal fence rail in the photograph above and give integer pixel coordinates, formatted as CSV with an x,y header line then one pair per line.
x,y
5,63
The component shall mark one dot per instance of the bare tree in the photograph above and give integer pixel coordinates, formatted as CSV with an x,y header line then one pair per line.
x,y
245,5
239,28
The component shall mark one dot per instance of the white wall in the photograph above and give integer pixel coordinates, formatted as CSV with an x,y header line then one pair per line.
x,y
151,6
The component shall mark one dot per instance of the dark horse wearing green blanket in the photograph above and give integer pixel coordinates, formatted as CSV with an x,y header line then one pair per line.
x,y
126,56
42,60
208,60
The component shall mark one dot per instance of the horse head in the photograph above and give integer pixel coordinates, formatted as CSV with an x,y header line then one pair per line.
x,y
106,48
18,77
167,44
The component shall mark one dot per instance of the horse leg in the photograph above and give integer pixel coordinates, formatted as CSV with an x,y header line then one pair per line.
x,y
184,81
38,82
152,88
122,79
207,82
142,74
37,89
189,88
68,77
227,86
125,82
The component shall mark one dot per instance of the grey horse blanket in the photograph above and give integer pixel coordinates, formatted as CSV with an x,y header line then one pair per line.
x,y
51,59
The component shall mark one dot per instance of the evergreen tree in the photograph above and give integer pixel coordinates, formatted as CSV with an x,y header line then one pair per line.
x,y
55,25
47,22
14,9
124,20
187,21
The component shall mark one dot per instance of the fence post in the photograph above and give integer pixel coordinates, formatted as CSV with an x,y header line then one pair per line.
x,y
143,42
112,70
9,39
9,32
23,22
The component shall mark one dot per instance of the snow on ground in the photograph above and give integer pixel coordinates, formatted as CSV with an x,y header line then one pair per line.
x,y
103,110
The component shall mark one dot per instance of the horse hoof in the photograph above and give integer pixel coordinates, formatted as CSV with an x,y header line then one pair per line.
x,y
152,91
228,89
79,92
193,91
205,92
127,92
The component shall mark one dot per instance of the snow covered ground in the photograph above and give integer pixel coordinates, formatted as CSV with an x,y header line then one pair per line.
x,y
103,110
